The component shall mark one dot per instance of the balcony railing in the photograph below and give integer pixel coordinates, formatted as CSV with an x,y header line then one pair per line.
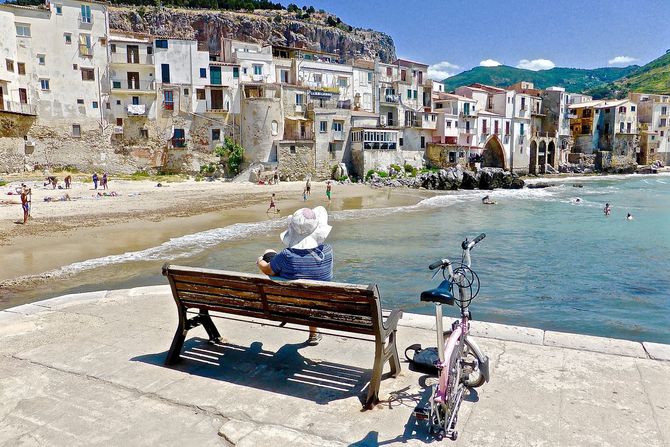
x,y
210,109
338,135
136,109
393,99
125,84
330,104
17,107
132,58
294,134
168,105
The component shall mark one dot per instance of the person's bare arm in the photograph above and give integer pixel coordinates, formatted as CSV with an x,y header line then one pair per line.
x,y
264,266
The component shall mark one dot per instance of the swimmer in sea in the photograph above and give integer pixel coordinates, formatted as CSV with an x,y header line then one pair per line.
x,y
607,210
629,216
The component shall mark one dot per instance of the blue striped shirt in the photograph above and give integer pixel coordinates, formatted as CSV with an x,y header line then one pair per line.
x,y
316,263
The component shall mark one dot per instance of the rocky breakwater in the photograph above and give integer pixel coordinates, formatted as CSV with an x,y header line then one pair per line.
x,y
453,179
274,27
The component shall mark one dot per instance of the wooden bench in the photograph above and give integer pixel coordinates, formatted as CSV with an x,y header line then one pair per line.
x,y
342,307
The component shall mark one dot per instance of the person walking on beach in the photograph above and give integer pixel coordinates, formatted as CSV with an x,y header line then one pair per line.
x,y
607,210
304,195
275,177
272,204
25,203
103,183
308,187
68,181
95,180
306,256
329,187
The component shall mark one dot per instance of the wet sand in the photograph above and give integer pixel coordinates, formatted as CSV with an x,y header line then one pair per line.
x,y
144,216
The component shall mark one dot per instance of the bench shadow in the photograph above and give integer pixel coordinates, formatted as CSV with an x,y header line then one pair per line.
x,y
286,371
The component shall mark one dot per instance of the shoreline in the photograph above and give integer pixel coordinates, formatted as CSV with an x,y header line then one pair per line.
x,y
143,217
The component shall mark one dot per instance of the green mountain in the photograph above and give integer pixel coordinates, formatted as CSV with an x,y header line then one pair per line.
x,y
575,80
651,78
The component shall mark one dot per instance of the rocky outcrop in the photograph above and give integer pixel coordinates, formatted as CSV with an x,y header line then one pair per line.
x,y
273,27
455,178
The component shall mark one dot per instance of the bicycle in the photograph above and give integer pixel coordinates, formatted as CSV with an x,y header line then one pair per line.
x,y
461,363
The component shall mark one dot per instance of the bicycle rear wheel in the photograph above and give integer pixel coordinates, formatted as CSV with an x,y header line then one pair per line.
x,y
471,375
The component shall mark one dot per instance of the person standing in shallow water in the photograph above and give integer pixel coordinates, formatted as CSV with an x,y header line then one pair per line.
x,y
306,256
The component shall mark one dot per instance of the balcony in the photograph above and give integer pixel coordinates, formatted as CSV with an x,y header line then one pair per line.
x,y
298,135
210,109
119,85
132,58
329,104
338,135
178,142
136,109
468,114
390,99
16,107
168,105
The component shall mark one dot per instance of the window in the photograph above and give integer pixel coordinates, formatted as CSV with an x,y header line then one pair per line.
x,y
299,97
244,70
44,84
337,126
216,134
275,127
59,10
203,72
283,76
423,142
80,101
521,129
103,41
112,47
75,67
168,99
323,126
507,128
135,100
622,110
10,65
317,78
236,72
144,133
119,121
87,74
76,130
400,141
258,70
41,59
291,149
85,48
23,96
21,67
415,94
161,43
448,124
632,108
342,82
663,122
369,76
200,93
108,106
409,93
85,16
95,104
185,92
484,124
22,30
68,38
118,101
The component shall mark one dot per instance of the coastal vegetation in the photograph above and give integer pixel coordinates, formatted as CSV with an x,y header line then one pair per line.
x,y
231,155
574,80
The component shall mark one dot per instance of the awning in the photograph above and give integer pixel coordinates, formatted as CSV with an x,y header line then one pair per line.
x,y
296,118
320,94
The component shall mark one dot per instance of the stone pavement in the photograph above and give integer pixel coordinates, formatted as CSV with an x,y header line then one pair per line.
x,y
88,370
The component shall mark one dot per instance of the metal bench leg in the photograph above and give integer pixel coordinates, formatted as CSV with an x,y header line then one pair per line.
x,y
179,336
375,380
394,360
208,324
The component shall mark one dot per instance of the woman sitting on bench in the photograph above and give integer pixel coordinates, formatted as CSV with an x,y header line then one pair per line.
x,y
306,255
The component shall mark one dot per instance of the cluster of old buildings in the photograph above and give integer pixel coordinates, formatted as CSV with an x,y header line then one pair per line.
x,y
74,92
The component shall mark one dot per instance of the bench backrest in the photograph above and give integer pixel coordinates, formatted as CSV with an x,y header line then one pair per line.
x,y
329,305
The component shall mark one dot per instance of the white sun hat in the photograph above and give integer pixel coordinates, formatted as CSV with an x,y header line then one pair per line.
x,y
307,228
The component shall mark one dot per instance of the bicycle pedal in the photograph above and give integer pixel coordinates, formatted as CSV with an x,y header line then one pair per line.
x,y
422,413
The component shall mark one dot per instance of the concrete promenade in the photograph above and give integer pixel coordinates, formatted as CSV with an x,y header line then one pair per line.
x,y
88,370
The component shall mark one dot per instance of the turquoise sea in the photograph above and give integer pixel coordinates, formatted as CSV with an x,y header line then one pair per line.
x,y
547,261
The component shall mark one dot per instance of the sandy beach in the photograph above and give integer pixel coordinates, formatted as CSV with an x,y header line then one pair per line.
x,y
143,215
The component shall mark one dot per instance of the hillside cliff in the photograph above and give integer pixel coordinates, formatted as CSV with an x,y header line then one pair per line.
x,y
273,27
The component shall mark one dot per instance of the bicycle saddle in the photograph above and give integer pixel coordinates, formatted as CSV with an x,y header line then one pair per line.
x,y
441,294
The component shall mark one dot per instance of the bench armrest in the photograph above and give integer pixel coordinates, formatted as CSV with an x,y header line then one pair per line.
x,y
391,322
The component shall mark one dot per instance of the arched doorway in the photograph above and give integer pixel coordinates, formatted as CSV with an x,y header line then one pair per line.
x,y
551,154
532,168
542,157
494,154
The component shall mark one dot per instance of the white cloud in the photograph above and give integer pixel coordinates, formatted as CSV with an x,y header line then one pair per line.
x,y
489,63
536,64
442,70
621,60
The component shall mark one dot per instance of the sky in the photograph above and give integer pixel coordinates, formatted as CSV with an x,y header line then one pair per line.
x,y
456,35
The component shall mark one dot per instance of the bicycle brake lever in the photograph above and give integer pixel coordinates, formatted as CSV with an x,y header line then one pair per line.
x,y
436,272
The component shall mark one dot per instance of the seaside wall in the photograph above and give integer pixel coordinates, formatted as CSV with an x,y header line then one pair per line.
x,y
296,160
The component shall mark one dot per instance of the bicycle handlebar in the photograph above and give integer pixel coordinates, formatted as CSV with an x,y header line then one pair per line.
x,y
467,245
438,264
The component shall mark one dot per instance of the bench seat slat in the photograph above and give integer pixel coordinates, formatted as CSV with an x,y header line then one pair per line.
x,y
331,295
220,300
216,282
321,305
217,291
320,315
243,311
